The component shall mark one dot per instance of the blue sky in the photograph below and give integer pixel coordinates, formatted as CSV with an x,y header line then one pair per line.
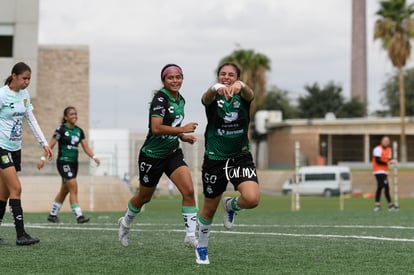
x,y
130,41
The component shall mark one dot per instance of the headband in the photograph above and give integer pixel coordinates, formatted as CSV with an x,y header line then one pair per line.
x,y
171,69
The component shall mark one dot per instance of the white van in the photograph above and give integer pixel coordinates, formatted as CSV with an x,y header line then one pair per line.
x,y
321,180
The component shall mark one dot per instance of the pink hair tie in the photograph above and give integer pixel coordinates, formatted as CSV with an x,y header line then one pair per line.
x,y
171,69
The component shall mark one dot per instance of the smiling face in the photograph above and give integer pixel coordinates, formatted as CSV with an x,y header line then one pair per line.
x,y
227,75
173,81
71,116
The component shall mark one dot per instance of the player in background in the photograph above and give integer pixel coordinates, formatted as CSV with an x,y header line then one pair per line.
x,y
15,106
381,158
68,136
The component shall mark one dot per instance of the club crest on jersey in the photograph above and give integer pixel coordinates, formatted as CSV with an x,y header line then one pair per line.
x,y
5,159
231,116
25,102
209,189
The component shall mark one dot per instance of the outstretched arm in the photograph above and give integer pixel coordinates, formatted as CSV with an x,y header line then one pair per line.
x,y
89,152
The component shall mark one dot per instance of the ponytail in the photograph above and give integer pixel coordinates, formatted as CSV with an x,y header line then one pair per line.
x,y
8,80
17,69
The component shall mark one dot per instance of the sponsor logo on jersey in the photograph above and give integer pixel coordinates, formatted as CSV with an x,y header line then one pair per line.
x,y
158,107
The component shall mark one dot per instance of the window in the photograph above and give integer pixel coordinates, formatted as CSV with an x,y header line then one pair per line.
x,y
6,40
322,176
345,176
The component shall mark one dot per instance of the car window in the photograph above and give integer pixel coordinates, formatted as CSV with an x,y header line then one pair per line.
x,y
320,177
345,176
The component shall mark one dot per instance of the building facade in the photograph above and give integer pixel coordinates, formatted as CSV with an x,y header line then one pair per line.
x,y
60,74
18,36
332,141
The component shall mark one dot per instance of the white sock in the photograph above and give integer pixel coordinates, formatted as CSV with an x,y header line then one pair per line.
x,y
190,221
56,206
130,213
203,232
76,210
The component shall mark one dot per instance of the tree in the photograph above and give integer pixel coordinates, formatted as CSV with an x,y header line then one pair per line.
x,y
277,99
390,91
352,108
395,28
253,68
328,99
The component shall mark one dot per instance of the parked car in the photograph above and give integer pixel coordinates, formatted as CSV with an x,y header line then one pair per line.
x,y
321,180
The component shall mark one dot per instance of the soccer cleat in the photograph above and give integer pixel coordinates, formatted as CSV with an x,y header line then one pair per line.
x,y
53,219
26,239
393,207
123,232
82,219
190,241
377,208
228,214
202,255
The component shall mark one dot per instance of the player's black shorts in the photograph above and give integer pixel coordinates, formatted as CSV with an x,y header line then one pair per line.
x,y
67,170
151,169
217,173
9,158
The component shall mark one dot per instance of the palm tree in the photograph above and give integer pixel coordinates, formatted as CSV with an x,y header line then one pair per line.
x,y
395,28
253,67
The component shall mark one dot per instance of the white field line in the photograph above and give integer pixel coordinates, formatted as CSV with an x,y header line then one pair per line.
x,y
96,227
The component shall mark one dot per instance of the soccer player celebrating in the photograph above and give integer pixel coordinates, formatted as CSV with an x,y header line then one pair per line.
x,y
161,154
227,157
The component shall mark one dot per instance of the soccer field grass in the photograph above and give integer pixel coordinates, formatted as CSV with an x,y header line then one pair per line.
x,y
271,239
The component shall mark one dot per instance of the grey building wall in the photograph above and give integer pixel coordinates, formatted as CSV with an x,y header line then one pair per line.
x,y
63,80
22,16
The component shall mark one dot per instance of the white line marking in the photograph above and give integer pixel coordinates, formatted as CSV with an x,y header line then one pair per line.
x,y
356,226
97,227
